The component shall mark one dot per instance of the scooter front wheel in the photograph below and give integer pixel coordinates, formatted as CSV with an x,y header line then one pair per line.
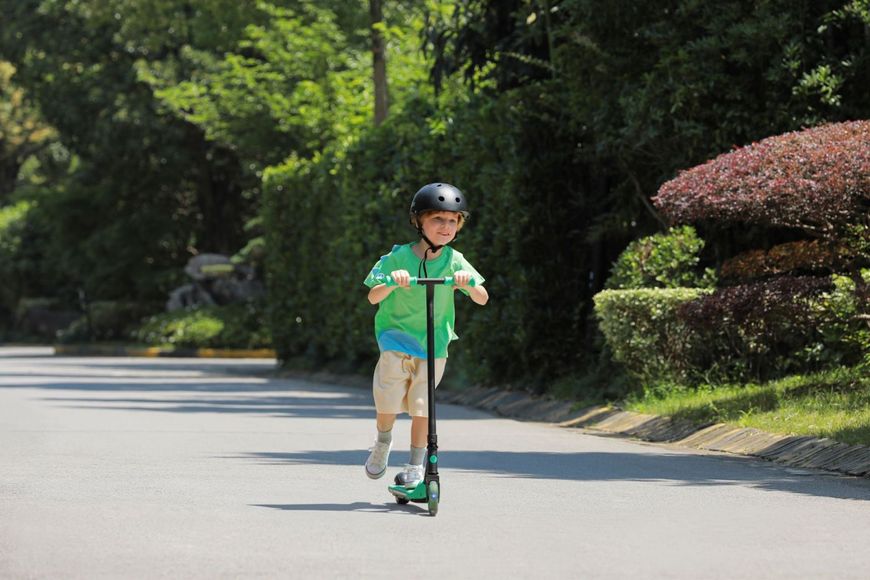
x,y
434,497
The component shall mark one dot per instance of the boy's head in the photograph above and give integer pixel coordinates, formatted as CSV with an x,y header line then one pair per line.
x,y
438,198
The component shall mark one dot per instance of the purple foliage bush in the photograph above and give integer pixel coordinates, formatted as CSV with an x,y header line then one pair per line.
x,y
801,256
757,330
817,180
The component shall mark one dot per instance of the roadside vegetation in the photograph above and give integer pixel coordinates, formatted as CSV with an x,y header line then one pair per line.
x,y
778,338
833,404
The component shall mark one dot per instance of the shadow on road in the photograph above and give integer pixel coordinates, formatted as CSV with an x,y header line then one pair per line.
x,y
359,506
673,468
252,397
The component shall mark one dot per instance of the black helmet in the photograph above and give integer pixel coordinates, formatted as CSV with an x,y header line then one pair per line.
x,y
439,197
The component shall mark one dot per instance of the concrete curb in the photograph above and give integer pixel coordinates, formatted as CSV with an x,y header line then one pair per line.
x,y
153,352
794,451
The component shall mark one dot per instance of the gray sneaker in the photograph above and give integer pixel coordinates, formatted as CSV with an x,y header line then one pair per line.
x,y
376,464
410,476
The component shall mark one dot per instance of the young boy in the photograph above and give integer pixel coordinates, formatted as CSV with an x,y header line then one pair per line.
x,y
438,211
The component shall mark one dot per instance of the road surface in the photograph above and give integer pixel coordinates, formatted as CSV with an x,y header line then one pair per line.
x,y
201,468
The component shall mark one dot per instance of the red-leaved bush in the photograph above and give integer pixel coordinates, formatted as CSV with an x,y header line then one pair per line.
x,y
817,180
760,327
804,255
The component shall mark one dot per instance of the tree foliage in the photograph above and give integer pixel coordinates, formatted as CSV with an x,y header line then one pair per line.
x,y
290,85
148,188
23,133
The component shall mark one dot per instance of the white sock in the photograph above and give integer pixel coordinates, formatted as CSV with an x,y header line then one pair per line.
x,y
417,454
385,436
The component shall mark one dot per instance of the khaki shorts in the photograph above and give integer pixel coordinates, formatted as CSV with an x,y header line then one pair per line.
x,y
400,383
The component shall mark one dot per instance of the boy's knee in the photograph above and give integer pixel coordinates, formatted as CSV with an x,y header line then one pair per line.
x,y
417,408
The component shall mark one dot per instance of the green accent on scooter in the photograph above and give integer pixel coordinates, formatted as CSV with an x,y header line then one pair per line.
x,y
415,494
433,459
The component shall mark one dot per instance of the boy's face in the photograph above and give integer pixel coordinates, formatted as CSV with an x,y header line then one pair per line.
x,y
440,226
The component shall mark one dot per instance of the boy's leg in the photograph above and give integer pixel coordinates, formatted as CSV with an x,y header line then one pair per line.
x,y
386,421
412,474
419,431
389,391
376,464
418,390
418,407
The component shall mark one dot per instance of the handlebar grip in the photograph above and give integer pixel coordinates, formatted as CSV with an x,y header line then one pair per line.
x,y
449,282
388,280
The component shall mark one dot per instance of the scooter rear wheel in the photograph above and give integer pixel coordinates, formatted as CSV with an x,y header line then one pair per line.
x,y
402,500
434,497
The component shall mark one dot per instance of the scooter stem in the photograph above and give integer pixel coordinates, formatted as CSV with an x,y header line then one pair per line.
x,y
432,439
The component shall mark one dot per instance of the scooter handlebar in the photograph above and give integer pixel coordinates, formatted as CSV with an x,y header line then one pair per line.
x,y
388,280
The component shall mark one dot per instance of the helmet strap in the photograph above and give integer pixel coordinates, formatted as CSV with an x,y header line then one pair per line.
x,y
421,269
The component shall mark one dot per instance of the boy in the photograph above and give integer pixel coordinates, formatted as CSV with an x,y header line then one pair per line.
x,y
438,211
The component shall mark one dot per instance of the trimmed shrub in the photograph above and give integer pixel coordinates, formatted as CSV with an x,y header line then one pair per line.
x,y
757,331
817,180
801,256
232,326
664,260
844,312
646,334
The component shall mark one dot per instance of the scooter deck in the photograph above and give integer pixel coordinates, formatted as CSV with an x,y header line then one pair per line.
x,y
416,494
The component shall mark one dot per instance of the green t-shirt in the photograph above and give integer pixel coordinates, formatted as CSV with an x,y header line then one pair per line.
x,y
400,323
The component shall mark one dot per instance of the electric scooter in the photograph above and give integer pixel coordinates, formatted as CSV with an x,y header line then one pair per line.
x,y
427,491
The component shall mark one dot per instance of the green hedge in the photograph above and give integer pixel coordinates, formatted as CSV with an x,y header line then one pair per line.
x,y
328,220
758,332
845,327
644,331
664,260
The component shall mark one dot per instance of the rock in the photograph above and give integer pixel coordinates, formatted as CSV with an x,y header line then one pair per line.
x,y
195,264
188,296
216,280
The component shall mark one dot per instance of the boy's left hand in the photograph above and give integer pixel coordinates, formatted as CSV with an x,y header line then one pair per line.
x,y
461,279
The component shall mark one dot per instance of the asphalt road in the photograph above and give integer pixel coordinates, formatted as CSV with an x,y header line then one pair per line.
x,y
181,468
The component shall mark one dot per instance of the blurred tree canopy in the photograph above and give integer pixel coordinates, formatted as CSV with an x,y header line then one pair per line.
x,y
23,134
158,125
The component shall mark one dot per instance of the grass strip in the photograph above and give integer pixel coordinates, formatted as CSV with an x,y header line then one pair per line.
x,y
832,404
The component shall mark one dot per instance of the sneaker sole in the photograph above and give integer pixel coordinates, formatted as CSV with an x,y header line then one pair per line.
x,y
375,476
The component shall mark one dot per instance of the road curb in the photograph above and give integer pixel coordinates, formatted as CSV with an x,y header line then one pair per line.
x,y
790,450
155,352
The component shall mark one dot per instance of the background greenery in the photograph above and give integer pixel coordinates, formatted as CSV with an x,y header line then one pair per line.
x,y
137,133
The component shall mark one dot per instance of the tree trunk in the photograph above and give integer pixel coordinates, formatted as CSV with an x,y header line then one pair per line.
x,y
379,62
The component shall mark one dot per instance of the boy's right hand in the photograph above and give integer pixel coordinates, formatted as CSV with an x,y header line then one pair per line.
x,y
401,277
